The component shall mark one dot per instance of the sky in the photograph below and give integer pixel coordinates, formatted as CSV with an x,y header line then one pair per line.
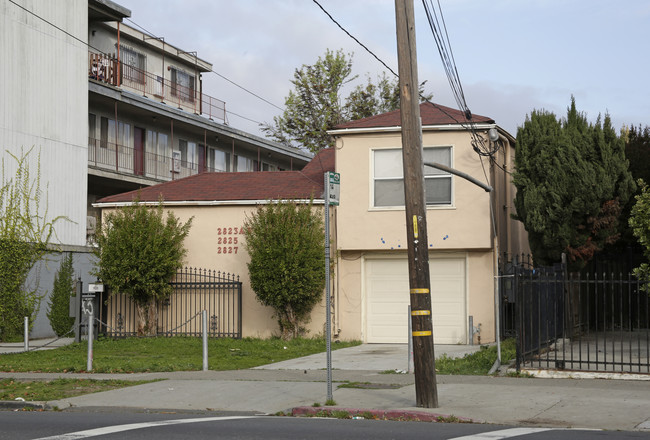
x,y
512,56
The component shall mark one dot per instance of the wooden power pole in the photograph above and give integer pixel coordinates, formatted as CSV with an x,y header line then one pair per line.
x,y
426,393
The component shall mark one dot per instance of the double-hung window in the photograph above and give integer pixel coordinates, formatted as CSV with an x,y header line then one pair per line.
x,y
388,177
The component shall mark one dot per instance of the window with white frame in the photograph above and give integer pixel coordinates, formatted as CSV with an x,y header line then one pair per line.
x,y
388,177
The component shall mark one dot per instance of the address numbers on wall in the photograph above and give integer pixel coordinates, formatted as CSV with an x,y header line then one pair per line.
x,y
228,236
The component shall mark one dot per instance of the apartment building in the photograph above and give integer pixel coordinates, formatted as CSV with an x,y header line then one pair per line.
x,y
149,120
105,109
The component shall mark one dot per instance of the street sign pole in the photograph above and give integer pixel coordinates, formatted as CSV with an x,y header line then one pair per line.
x,y
332,193
328,315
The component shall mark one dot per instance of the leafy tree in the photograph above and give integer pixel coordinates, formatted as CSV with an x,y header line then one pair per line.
x,y
59,306
640,224
374,99
572,179
286,245
316,105
138,252
25,234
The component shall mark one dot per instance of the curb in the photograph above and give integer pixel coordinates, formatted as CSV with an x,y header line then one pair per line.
x,y
17,405
380,414
20,404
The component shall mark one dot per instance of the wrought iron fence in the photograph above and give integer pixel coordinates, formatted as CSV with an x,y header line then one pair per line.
x,y
584,322
194,290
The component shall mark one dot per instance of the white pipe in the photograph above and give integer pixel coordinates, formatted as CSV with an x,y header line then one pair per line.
x,y
91,336
204,316
26,333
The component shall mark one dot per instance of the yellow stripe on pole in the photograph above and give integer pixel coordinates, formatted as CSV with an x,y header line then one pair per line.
x,y
415,226
419,290
420,312
424,333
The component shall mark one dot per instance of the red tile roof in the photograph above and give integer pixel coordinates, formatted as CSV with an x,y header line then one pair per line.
x,y
239,186
431,114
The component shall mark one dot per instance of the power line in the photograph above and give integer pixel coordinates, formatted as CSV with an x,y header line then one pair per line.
x,y
449,63
219,75
85,43
355,39
244,117
247,91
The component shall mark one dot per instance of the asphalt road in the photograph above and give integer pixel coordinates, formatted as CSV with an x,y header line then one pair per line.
x,y
198,426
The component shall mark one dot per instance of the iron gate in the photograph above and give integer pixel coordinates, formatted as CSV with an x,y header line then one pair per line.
x,y
194,290
584,322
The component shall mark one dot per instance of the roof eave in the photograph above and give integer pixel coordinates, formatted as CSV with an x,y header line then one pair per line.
x,y
101,205
395,129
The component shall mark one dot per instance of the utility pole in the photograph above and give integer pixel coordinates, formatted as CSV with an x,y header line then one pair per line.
x,y
426,393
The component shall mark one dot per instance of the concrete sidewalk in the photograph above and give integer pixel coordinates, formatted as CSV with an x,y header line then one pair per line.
x,y
35,344
298,384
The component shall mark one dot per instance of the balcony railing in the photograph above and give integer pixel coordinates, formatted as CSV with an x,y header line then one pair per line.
x,y
126,160
104,68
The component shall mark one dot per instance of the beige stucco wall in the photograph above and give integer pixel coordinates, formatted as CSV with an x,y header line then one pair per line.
x,y
216,242
350,296
212,226
464,224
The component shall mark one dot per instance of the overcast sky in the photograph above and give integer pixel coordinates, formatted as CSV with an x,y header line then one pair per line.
x,y
512,56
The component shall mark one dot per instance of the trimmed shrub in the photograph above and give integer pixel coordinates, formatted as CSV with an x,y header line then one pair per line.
x,y
59,306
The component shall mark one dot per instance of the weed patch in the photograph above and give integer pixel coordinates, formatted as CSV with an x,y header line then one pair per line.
x,y
478,363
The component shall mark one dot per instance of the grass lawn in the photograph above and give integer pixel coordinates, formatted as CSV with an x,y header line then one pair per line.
x,y
134,355
47,390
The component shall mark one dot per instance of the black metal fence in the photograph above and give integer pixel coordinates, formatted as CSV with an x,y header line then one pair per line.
x,y
571,321
194,290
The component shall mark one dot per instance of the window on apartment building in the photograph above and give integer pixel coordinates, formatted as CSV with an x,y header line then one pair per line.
x,y
133,65
268,167
92,127
106,126
163,147
109,137
188,153
244,164
218,160
158,144
182,85
388,177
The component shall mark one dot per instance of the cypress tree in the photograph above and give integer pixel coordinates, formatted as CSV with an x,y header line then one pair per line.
x,y
572,179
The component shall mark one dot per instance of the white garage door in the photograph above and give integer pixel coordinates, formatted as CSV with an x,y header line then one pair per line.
x,y
387,300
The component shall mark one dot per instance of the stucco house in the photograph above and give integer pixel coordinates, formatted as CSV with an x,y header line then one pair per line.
x,y
219,203
370,284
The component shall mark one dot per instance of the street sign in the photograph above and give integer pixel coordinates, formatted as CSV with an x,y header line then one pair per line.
x,y
95,288
334,188
87,304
